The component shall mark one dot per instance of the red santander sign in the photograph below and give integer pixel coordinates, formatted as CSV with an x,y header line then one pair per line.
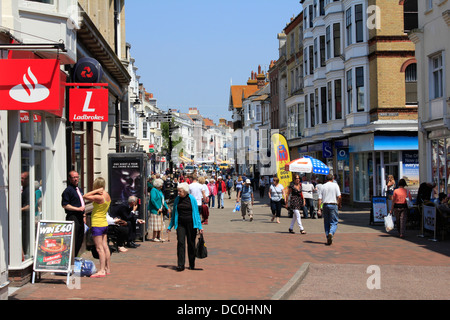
x,y
29,84
88,105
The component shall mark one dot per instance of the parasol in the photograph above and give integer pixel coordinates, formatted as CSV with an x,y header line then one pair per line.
x,y
307,164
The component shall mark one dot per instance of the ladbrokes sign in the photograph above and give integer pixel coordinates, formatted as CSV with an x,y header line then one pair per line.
x,y
88,105
29,84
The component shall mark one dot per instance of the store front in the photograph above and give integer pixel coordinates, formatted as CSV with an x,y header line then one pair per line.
x,y
363,163
373,157
33,157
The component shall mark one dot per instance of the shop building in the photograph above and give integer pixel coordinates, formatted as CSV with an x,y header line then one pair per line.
x,y
433,60
39,144
360,93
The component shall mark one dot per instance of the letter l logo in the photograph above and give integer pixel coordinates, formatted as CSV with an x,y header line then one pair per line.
x,y
87,102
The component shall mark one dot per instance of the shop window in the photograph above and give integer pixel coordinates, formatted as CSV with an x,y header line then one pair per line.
x,y
26,198
361,179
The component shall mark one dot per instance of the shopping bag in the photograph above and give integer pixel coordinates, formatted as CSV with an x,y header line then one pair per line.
x,y
237,207
201,252
84,267
388,222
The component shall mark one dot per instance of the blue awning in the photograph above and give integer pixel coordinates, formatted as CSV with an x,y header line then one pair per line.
x,y
395,142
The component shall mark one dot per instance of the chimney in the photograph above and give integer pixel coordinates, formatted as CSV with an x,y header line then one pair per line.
x,y
260,78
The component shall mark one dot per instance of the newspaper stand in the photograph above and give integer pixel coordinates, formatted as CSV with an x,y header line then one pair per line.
x,y
53,252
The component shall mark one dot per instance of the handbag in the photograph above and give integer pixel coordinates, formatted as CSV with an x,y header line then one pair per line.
x,y
388,222
201,252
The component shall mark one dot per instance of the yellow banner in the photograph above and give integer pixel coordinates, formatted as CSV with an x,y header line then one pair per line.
x,y
281,151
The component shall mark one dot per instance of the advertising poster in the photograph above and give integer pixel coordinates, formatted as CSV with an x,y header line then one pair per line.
x,y
410,170
429,217
54,246
379,209
126,179
281,151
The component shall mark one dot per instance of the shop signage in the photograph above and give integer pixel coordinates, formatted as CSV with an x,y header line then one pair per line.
x,y
29,84
25,117
54,242
87,70
88,105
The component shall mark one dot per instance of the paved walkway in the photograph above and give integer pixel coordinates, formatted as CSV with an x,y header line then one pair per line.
x,y
261,260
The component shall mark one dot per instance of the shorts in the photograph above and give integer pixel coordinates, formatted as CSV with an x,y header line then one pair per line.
x,y
99,231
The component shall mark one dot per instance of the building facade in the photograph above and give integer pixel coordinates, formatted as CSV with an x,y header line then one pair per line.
x,y
32,156
433,59
360,116
41,146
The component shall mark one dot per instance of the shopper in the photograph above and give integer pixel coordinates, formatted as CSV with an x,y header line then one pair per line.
x,y
157,207
99,225
186,220
295,199
276,195
307,192
221,190
400,206
245,196
330,197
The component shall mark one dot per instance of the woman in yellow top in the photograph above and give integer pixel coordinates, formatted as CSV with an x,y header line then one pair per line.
x,y
99,225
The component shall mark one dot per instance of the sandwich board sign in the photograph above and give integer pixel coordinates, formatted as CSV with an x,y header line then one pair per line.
x,y
54,243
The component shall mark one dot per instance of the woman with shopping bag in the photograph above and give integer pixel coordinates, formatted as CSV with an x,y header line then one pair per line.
x,y
400,206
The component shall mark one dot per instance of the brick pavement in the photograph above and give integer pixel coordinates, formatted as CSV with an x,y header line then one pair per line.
x,y
255,260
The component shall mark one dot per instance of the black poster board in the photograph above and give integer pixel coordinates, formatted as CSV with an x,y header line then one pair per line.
x,y
54,243
128,177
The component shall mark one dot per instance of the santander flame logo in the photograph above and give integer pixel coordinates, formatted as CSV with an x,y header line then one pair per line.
x,y
30,91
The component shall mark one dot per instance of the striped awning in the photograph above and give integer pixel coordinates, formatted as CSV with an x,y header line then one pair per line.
x,y
184,159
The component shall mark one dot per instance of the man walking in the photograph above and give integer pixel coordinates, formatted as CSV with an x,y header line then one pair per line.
x,y
221,189
307,192
73,203
330,196
246,195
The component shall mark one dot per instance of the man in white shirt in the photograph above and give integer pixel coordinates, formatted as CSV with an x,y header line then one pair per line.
x,y
330,197
196,190
307,192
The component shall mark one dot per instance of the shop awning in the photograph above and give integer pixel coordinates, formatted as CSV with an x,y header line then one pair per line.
x,y
184,159
384,141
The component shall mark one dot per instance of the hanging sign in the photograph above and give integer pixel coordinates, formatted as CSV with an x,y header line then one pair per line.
x,y
88,105
29,84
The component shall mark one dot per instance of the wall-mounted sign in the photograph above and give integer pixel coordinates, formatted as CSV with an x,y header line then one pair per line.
x,y
88,105
87,70
29,84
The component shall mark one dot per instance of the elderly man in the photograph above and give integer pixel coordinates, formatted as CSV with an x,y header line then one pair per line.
x,y
246,195
129,213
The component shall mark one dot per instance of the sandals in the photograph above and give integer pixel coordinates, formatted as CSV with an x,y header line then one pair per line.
x,y
302,231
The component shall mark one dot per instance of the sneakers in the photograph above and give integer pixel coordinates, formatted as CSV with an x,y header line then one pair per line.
x,y
329,239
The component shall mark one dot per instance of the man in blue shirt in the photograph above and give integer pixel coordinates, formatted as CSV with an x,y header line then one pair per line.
x,y
246,195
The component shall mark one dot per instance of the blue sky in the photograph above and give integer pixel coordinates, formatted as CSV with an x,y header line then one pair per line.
x,y
188,52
